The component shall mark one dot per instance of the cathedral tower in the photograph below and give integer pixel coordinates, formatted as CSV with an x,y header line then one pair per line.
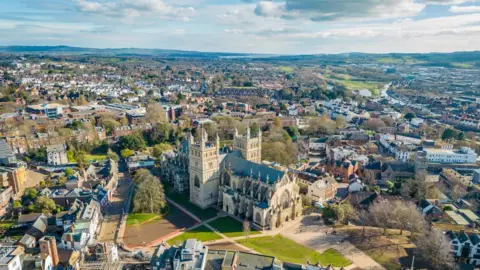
x,y
203,170
250,146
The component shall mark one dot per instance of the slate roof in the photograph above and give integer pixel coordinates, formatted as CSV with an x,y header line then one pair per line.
x,y
5,150
243,167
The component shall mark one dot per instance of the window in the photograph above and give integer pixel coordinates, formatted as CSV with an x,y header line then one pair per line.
x,y
197,181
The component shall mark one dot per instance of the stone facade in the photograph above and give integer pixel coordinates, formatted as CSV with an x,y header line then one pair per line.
x,y
235,180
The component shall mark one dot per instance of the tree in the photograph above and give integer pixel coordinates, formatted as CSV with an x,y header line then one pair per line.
x,y
30,194
123,121
81,101
61,180
125,153
277,122
381,212
132,141
149,196
340,122
112,155
434,247
448,134
254,128
141,175
389,185
161,148
155,114
409,116
68,172
81,159
110,125
70,156
16,205
45,205
246,229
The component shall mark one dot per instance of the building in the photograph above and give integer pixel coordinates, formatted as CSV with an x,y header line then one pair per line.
x,y
465,245
237,182
139,161
447,155
51,110
194,255
48,246
323,190
9,258
57,155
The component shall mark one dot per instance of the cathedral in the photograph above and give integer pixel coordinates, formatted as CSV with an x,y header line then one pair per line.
x,y
235,180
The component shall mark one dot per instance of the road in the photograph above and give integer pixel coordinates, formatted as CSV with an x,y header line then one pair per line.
x,y
114,210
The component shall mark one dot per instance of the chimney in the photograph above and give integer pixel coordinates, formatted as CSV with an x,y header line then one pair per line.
x,y
48,245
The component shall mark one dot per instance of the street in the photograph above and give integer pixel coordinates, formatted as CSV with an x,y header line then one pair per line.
x,y
113,211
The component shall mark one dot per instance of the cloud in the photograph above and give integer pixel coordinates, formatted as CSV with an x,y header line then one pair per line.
x,y
449,2
464,9
331,10
126,9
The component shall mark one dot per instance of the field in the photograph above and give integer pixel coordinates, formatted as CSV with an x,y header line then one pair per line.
x,y
290,251
286,69
352,83
142,218
201,233
230,227
96,157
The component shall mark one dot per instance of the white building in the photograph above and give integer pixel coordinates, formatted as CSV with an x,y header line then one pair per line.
x,y
465,245
9,260
463,155
57,155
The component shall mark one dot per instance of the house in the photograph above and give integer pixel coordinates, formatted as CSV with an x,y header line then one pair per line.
x,y
10,258
323,189
57,155
362,199
429,211
355,185
139,160
465,245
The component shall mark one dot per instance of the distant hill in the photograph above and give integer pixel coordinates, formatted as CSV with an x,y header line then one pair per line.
x,y
113,52
456,59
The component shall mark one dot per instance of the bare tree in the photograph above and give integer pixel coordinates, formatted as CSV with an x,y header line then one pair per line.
x,y
406,216
434,247
381,213
155,114
246,229
363,217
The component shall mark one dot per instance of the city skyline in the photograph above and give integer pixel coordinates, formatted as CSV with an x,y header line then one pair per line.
x,y
248,26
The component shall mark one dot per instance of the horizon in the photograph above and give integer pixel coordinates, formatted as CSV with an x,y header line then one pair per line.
x,y
279,27
219,52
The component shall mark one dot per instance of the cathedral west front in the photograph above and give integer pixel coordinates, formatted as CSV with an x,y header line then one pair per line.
x,y
235,180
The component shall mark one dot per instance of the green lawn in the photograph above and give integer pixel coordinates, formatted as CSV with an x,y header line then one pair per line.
x,y
5,225
142,218
286,69
96,157
290,251
201,233
230,227
184,200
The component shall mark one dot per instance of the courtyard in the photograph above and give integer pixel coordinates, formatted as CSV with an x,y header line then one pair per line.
x,y
144,230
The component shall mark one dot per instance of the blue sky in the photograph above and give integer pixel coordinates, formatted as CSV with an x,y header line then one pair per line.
x,y
279,26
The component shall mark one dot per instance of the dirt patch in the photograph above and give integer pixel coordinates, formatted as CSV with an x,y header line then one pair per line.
x,y
144,234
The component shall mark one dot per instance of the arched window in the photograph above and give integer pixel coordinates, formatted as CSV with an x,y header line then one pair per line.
x,y
285,199
197,181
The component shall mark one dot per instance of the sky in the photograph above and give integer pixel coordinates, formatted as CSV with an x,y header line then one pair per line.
x,y
247,26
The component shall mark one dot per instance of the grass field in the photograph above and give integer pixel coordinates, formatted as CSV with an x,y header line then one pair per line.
x,y
462,65
201,233
230,227
142,218
96,157
286,69
184,200
290,251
